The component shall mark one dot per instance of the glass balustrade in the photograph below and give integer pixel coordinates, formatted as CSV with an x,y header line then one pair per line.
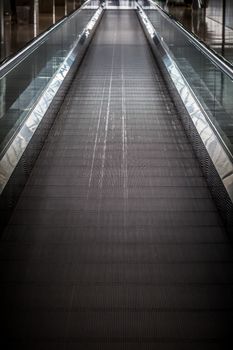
x,y
211,85
24,80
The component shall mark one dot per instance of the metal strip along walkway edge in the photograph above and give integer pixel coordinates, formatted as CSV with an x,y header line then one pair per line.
x,y
20,141
204,128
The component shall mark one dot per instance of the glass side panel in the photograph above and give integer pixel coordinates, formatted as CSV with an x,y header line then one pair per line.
x,y
21,87
213,88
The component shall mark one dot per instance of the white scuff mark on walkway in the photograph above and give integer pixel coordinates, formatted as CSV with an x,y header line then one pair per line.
x,y
96,139
124,141
124,135
107,115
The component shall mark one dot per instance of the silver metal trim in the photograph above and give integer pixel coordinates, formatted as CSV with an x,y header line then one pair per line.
x,y
18,145
214,146
219,61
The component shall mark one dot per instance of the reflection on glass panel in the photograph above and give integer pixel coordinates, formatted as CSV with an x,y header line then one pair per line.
x,y
212,23
213,88
33,73
29,18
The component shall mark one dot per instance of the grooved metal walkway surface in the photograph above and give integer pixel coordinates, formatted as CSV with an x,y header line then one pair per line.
x,y
115,242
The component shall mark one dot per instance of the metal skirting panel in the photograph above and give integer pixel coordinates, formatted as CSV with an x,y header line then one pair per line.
x,y
209,150
115,242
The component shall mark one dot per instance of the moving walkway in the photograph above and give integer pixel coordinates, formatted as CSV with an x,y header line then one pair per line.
x,y
116,218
